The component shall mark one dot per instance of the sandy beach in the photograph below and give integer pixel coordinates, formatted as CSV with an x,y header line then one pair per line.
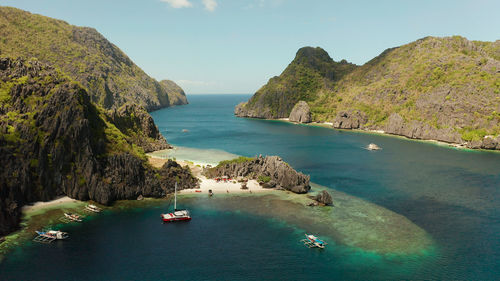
x,y
206,184
53,203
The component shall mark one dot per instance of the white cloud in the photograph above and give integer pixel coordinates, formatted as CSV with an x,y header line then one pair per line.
x,y
178,3
210,5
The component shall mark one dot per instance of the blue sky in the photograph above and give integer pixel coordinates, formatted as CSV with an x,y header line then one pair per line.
x,y
235,46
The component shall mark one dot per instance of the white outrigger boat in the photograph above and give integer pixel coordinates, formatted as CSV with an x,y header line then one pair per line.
x,y
50,235
176,215
93,208
312,241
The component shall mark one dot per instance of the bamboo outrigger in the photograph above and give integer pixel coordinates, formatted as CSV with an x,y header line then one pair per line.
x,y
49,236
312,241
69,217
92,208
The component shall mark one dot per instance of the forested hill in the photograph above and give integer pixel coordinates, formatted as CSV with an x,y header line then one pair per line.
x,y
112,79
446,89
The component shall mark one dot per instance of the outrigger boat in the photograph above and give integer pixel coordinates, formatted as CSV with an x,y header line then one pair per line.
x,y
177,215
50,235
373,146
312,241
72,217
93,208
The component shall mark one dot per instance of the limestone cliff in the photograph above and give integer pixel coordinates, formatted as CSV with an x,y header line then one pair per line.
x,y
54,141
110,76
300,113
176,94
271,171
446,89
310,73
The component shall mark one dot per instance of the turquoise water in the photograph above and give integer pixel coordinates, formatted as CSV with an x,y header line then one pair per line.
x,y
452,194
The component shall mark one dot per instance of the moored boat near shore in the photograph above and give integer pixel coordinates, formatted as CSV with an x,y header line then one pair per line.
x,y
93,208
49,236
176,215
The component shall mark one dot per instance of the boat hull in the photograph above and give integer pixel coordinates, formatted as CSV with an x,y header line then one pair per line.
x,y
176,219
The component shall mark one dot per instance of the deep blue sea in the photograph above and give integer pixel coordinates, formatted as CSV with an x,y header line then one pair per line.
x,y
452,194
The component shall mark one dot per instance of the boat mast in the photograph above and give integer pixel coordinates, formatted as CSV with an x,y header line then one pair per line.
x,y
175,197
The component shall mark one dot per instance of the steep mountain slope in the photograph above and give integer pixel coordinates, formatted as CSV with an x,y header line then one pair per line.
x,y
310,74
54,141
446,89
111,78
176,94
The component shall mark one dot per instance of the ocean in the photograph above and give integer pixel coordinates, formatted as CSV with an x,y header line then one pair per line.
x,y
452,194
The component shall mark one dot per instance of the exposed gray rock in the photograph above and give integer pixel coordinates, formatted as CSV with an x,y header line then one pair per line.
x,y
324,198
490,142
242,110
349,120
280,173
301,113
418,130
132,117
61,145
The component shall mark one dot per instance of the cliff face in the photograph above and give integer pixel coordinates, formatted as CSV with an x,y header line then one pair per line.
x,y
112,79
55,141
446,89
272,171
176,95
138,127
306,77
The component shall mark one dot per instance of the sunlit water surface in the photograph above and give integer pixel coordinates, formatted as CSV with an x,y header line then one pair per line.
x,y
450,194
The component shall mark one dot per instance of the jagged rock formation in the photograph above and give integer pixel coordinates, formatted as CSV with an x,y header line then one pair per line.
x,y
445,89
324,198
300,113
311,72
419,130
54,141
351,119
112,79
270,171
139,127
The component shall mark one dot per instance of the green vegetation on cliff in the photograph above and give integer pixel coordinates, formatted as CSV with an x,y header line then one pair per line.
x,y
55,141
112,79
441,88
311,73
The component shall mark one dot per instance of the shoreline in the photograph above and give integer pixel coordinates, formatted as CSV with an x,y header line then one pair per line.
x,y
41,205
206,184
352,210
329,125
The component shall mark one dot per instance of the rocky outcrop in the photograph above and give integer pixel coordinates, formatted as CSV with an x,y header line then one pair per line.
x,y
488,142
134,121
271,171
418,130
243,110
311,71
353,119
324,198
443,89
54,141
110,76
300,113
176,95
